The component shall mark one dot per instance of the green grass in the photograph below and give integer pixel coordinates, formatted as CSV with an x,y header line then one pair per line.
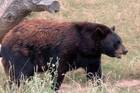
x,y
125,15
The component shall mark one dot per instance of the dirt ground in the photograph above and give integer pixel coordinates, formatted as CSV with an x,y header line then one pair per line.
x,y
135,84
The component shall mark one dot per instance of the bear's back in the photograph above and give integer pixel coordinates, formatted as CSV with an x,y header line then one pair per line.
x,y
38,32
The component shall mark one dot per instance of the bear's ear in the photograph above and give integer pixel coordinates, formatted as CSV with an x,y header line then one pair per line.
x,y
99,32
113,28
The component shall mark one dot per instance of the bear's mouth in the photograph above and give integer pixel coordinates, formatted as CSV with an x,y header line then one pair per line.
x,y
118,55
120,52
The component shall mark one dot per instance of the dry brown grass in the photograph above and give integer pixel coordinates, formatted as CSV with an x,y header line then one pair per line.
x,y
125,15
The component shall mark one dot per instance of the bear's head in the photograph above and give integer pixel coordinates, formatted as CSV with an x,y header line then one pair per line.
x,y
96,39
112,44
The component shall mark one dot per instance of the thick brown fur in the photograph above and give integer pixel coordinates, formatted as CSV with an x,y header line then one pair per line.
x,y
31,44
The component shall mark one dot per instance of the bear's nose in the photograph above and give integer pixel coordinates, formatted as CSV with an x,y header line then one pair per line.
x,y
125,52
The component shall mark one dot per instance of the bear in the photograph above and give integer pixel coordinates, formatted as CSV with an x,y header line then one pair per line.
x,y
28,47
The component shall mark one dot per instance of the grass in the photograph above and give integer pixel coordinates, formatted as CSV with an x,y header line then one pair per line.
x,y
125,15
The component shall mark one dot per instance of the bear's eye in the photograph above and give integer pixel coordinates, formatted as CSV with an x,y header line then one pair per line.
x,y
118,42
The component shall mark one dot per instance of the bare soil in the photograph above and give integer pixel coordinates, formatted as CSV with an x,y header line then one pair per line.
x,y
135,84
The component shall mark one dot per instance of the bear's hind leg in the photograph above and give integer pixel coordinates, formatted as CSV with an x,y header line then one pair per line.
x,y
18,68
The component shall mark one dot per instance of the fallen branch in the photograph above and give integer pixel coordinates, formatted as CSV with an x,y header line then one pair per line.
x,y
18,9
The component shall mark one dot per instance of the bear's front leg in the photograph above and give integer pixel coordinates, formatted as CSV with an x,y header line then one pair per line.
x,y
94,71
93,68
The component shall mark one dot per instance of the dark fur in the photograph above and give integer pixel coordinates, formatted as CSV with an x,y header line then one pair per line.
x,y
77,44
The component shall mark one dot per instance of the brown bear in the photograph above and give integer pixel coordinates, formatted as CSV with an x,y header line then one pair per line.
x,y
28,47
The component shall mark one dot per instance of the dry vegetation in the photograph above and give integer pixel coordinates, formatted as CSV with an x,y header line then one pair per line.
x,y
125,15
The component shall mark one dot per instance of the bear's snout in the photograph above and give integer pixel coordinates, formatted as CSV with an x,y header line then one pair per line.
x,y
125,51
121,51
